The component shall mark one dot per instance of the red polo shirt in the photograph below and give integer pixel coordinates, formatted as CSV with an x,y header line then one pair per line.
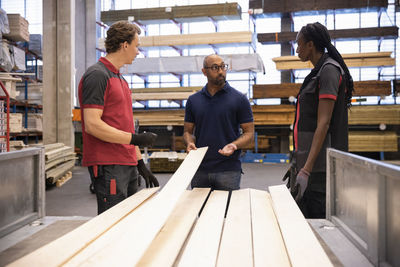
x,y
103,87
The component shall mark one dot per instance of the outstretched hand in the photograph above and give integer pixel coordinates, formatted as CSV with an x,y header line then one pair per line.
x,y
190,146
228,149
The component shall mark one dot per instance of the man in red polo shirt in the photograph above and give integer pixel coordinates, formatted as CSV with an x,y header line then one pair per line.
x,y
110,145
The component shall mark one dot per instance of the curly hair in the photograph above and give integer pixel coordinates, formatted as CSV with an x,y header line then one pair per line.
x,y
118,33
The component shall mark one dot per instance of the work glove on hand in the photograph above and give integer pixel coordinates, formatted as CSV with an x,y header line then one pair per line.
x,y
151,180
145,139
301,183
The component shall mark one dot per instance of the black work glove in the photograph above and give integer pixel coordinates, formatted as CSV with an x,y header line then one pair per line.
x,y
143,139
301,184
148,176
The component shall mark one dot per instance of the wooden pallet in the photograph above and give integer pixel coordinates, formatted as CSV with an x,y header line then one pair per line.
x,y
65,178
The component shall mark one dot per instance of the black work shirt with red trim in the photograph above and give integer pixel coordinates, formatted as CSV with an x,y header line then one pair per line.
x,y
327,84
103,87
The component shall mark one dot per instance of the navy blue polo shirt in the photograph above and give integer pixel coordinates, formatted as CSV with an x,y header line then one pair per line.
x,y
217,122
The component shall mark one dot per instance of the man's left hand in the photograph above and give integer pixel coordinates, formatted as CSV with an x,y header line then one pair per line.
x,y
151,180
228,149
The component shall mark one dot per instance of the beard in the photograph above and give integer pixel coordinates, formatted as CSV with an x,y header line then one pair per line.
x,y
219,81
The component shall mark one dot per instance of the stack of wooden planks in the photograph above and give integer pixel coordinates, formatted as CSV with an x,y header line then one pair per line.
x,y
15,122
352,60
19,28
259,229
373,141
10,84
286,90
374,115
59,160
188,13
166,161
163,93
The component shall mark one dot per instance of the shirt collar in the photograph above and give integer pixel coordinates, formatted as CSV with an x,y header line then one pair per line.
x,y
109,65
225,89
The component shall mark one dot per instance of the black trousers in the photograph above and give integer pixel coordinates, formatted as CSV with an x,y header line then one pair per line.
x,y
113,184
313,204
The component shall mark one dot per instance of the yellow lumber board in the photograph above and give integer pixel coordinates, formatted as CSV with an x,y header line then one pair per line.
x,y
202,247
166,89
125,243
236,241
169,241
196,39
351,60
369,141
161,96
302,245
268,246
72,243
376,114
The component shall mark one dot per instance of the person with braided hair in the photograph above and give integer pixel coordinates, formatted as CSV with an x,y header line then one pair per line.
x,y
321,116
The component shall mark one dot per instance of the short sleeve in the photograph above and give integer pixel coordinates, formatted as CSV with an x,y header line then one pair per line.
x,y
329,82
245,114
94,86
188,111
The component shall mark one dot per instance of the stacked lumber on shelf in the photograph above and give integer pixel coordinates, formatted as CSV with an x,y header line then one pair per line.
x,y
10,84
285,90
288,6
164,93
352,60
35,122
166,161
179,40
19,28
17,145
192,64
35,92
373,141
374,115
167,230
188,13
375,33
15,122
59,160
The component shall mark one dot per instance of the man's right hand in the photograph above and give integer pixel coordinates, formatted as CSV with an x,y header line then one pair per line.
x,y
145,139
190,146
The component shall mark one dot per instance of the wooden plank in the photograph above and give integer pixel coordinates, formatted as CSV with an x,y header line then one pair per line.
x,y
162,96
64,179
287,6
302,246
169,241
362,88
370,141
236,241
76,240
374,115
202,247
351,60
125,243
166,89
268,246
177,13
374,33
196,39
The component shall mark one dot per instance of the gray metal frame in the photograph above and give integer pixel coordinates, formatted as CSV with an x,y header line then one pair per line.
x,y
363,200
22,188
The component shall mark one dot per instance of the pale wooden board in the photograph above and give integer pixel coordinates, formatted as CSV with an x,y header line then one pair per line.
x,y
302,246
161,96
268,246
168,243
236,242
126,242
61,249
202,247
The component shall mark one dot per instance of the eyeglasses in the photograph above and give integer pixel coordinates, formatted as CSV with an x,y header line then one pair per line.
x,y
217,68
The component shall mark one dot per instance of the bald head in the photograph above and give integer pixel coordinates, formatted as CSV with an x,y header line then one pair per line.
x,y
210,58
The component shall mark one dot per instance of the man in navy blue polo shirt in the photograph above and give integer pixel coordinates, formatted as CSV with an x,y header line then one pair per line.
x,y
215,115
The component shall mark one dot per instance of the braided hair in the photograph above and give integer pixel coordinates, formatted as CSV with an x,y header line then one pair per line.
x,y
319,34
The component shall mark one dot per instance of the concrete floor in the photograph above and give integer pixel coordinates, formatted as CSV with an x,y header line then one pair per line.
x,y
75,199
